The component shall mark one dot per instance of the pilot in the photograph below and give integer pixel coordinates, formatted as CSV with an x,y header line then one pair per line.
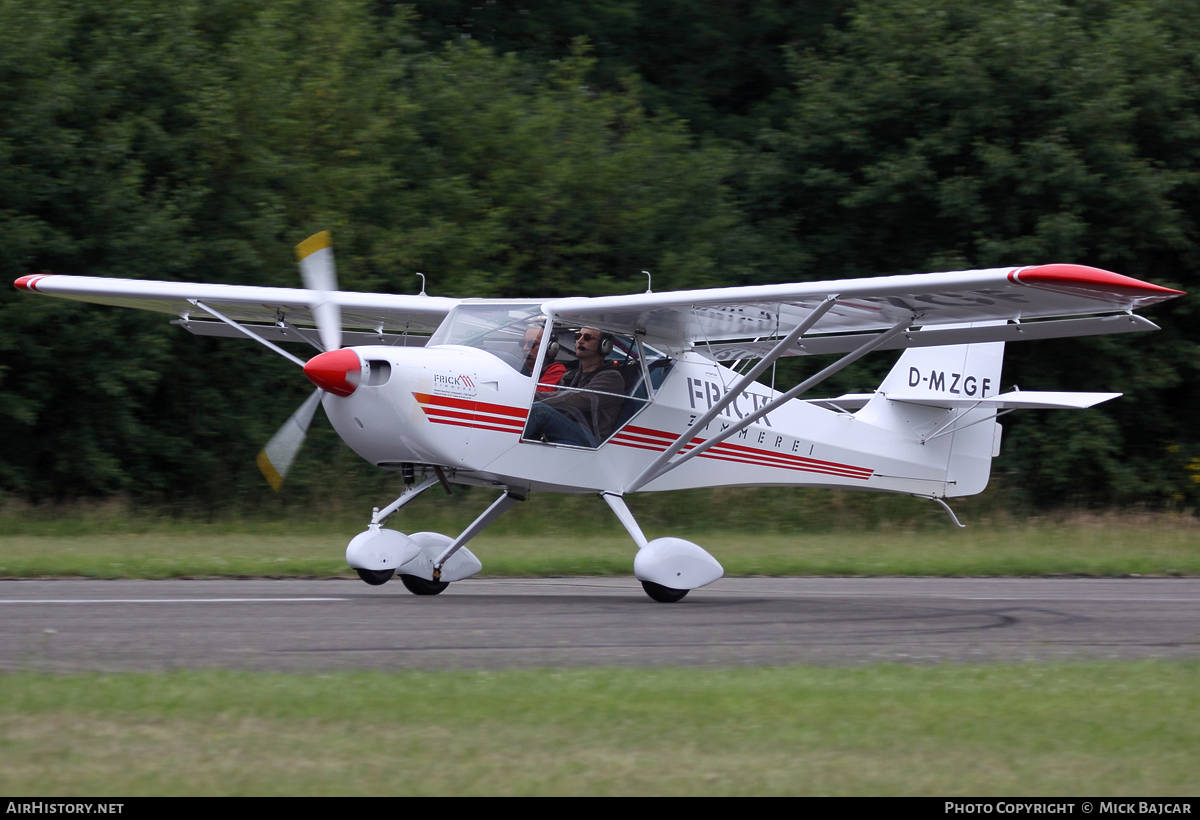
x,y
575,417
552,371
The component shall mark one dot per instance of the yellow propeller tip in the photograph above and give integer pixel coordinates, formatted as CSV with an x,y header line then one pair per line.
x,y
268,471
314,243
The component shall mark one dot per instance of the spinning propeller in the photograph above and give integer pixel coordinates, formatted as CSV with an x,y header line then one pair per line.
x,y
335,370
320,276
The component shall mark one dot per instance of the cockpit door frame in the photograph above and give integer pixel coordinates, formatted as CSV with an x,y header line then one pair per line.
x,y
641,349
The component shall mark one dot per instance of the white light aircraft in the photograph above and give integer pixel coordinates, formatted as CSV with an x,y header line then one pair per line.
x,y
444,390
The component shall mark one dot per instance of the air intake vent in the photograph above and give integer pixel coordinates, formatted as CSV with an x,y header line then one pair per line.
x,y
381,371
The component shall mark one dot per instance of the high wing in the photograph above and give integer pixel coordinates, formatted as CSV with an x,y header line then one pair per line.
x,y
378,313
1011,303
724,323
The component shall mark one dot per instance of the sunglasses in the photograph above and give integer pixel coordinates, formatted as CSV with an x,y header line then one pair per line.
x,y
586,337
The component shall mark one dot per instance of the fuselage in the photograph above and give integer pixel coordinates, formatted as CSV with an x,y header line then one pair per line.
x,y
465,409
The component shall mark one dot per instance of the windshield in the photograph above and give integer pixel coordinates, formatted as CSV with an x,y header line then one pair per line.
x,y
497,328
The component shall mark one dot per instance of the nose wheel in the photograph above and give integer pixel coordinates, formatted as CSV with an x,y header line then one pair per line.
x,y
375,577
660,593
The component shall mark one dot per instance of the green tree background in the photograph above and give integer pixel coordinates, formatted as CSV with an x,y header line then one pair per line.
x,y
522,149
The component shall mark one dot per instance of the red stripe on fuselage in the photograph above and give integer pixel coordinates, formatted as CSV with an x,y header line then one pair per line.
x,y
476,415
439,412
475,425
799,459
471,404
467,414
643,438
646,431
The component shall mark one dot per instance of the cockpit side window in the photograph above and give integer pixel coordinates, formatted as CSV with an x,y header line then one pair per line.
x,y
608,379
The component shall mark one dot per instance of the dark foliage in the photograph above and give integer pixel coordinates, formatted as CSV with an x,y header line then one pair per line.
x,y
561,149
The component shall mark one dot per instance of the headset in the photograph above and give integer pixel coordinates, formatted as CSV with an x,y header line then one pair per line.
x,y
606,342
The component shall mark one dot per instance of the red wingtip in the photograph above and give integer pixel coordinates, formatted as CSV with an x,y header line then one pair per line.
x,y
335,371
29,282
1082,277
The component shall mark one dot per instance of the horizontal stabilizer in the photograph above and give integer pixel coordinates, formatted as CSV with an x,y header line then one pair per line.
x,y
1016,400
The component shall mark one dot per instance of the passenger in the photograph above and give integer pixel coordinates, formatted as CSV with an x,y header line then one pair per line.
x,y
576,417
552,371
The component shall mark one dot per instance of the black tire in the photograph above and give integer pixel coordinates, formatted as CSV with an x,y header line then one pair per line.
x,y
375,577
419,586
660,593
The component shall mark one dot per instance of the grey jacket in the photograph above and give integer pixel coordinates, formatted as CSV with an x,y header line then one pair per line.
x,y
595,411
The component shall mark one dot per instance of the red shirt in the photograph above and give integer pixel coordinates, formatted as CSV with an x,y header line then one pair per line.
x,y
551,376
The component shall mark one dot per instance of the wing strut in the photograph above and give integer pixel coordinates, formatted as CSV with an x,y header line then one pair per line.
x,y
253,336
647,476
286,325
653,470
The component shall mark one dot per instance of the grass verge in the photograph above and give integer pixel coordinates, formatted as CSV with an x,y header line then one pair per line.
x,y
1093,546
1038,729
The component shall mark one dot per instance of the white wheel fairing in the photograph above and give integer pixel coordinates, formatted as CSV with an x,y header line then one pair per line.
x,y
676,564
380,549
461,565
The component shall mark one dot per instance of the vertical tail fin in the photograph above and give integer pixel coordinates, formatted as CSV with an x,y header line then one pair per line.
x,y
922,396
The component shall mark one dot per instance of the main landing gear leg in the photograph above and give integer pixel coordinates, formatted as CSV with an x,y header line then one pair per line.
x,y
498,508
380,517
667,567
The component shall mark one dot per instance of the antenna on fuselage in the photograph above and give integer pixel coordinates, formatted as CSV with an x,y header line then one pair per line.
x,y
648,281
422,293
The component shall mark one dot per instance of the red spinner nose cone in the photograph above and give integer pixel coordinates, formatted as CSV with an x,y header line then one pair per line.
x,y
335,371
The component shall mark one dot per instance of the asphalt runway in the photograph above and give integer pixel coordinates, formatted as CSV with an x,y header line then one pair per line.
x,y
570,622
